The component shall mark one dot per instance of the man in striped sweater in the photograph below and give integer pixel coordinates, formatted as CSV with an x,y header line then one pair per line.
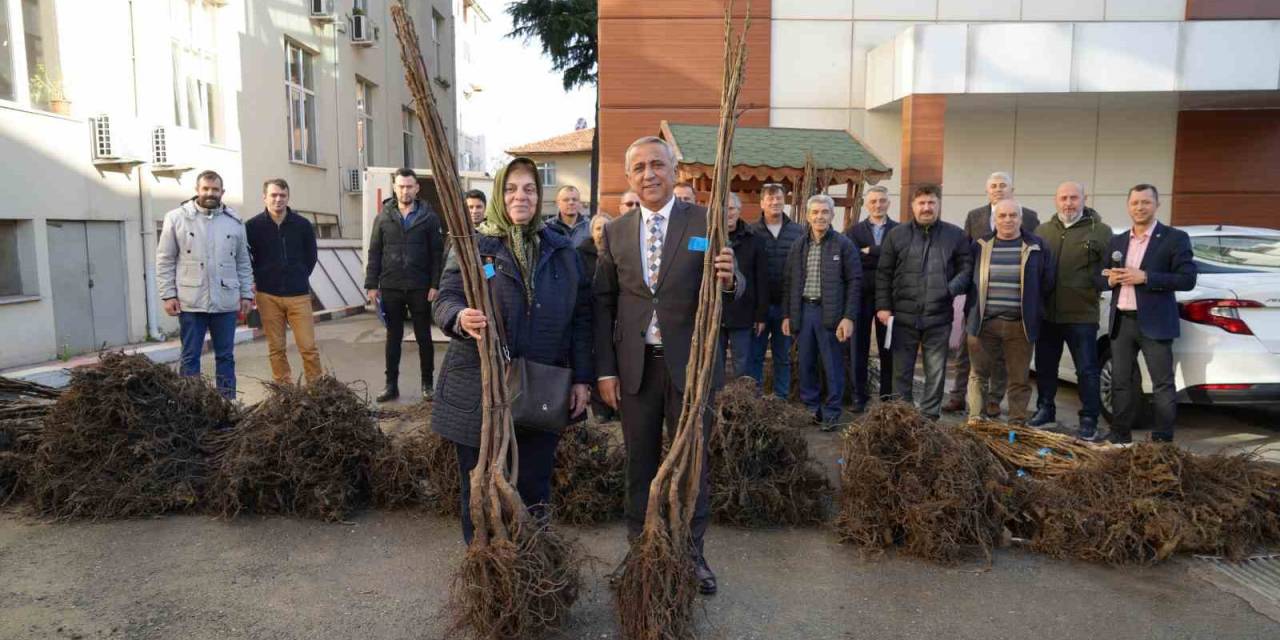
x,y
1012,274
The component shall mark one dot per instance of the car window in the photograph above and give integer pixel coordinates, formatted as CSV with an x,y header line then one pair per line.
x,y
1236,254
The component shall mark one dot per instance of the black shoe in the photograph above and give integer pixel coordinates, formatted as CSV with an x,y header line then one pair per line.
x,y
1119,440
391,392
1157,436
706,577
859,407
1044,415
428,393
1088,429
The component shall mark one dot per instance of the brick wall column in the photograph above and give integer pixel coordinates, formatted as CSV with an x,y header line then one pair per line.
x,y
923,122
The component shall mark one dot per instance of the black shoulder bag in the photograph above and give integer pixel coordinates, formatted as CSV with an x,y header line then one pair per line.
x,y
538,393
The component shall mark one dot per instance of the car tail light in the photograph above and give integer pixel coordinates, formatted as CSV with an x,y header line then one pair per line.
x,y
1226,387
1223,314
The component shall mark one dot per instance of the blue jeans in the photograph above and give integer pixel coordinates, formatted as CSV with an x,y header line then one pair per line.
x,y
819,347
740,342
781,353
1081,339
222,329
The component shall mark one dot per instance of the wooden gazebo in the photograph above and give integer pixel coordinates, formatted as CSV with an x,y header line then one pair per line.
x,y
762,155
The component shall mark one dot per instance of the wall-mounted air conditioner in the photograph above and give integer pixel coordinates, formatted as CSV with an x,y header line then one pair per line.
x,y
322,10
103,139
363,33
159,147
352,180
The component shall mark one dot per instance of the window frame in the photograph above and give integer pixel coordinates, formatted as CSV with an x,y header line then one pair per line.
x,y
309,154
364,121
547,173
408,136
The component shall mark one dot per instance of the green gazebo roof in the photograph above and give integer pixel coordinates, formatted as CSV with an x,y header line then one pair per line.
x,y
779,149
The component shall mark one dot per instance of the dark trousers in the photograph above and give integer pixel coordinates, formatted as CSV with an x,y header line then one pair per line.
x,y
993,388
642,416
1081,339
907,340
739,345
862,353
1126,394
537,452
221,327
772,338
394,304
819,349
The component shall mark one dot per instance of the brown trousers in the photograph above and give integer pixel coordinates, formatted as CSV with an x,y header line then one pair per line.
x,y
1001,346
277,312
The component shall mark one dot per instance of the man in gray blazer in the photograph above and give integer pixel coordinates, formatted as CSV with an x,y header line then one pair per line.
x,y
648,275
978,225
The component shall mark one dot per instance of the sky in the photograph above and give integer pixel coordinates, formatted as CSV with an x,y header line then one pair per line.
x,y
523,98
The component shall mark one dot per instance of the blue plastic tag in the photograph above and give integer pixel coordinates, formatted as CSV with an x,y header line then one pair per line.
x,y
489,271
698,243
1012,436
1021,473
1044,451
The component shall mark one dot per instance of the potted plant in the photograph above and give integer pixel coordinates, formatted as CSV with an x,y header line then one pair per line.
x,y
47,91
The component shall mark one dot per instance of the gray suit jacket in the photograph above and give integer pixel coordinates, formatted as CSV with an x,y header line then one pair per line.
x,y
977,224
624,304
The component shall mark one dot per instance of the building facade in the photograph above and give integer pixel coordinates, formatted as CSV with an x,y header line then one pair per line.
x,y
1183,94
563,161
109,109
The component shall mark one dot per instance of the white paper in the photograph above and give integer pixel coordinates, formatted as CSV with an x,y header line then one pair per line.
x,y
888,333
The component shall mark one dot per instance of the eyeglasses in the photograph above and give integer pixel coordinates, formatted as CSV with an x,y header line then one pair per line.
x,y
631,203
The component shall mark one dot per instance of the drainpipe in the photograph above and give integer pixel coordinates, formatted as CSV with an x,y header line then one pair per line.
x,y
144,206
337,121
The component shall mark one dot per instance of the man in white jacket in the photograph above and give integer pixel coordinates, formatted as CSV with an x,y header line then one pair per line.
x,y
205,277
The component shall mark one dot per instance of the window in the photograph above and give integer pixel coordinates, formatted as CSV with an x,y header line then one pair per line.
x,y
547,172
408,122
32,72
17,259
300,83
437,38
364,121
1236,254
195,67
326,224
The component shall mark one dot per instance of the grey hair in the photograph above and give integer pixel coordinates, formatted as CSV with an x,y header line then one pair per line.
x,y
626,157
1078,185
823,198
1000,174
879,189
734,200
1015,203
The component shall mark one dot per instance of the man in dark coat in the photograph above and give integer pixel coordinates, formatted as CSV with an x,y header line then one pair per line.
x,y
403,273
924,265
648,278
588,250
744,318
979,224
778,233
823,289
1144,268
867,237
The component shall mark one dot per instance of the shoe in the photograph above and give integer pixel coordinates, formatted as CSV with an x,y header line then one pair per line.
x,y
859,407
1088,429
428,393
391,392
1119,441
706,577
953,405
1044,415
829,425
992,410
1161,437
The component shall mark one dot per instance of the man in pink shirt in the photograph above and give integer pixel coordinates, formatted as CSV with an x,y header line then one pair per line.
x,y
1157,262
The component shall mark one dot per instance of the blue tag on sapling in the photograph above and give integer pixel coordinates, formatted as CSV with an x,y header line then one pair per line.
x,y
698,243
489,271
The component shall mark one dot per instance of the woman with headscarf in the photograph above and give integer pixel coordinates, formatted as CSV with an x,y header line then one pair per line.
x,y
542,297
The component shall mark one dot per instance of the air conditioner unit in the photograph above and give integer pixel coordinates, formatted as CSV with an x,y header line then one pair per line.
x,y
362,32
322,10
352,181
159,147
103,138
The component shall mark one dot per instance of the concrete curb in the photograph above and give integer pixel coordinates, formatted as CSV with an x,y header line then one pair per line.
x,y
57,373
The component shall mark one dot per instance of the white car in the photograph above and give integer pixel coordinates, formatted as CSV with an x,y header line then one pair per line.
x,y
1229,348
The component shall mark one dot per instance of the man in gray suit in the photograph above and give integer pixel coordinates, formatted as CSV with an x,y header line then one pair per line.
x,y
978,225
648,275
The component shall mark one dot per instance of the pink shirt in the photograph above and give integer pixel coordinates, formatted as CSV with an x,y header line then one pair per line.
x,y
1133,260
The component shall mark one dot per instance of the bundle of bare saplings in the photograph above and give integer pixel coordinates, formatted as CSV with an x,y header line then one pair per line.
x,y
127,438
1141,505
23,406
304,450
418,468
932,490
761,471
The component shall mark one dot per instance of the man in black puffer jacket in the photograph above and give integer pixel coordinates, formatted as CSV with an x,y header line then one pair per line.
x,y
778,233
924,265
403,270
